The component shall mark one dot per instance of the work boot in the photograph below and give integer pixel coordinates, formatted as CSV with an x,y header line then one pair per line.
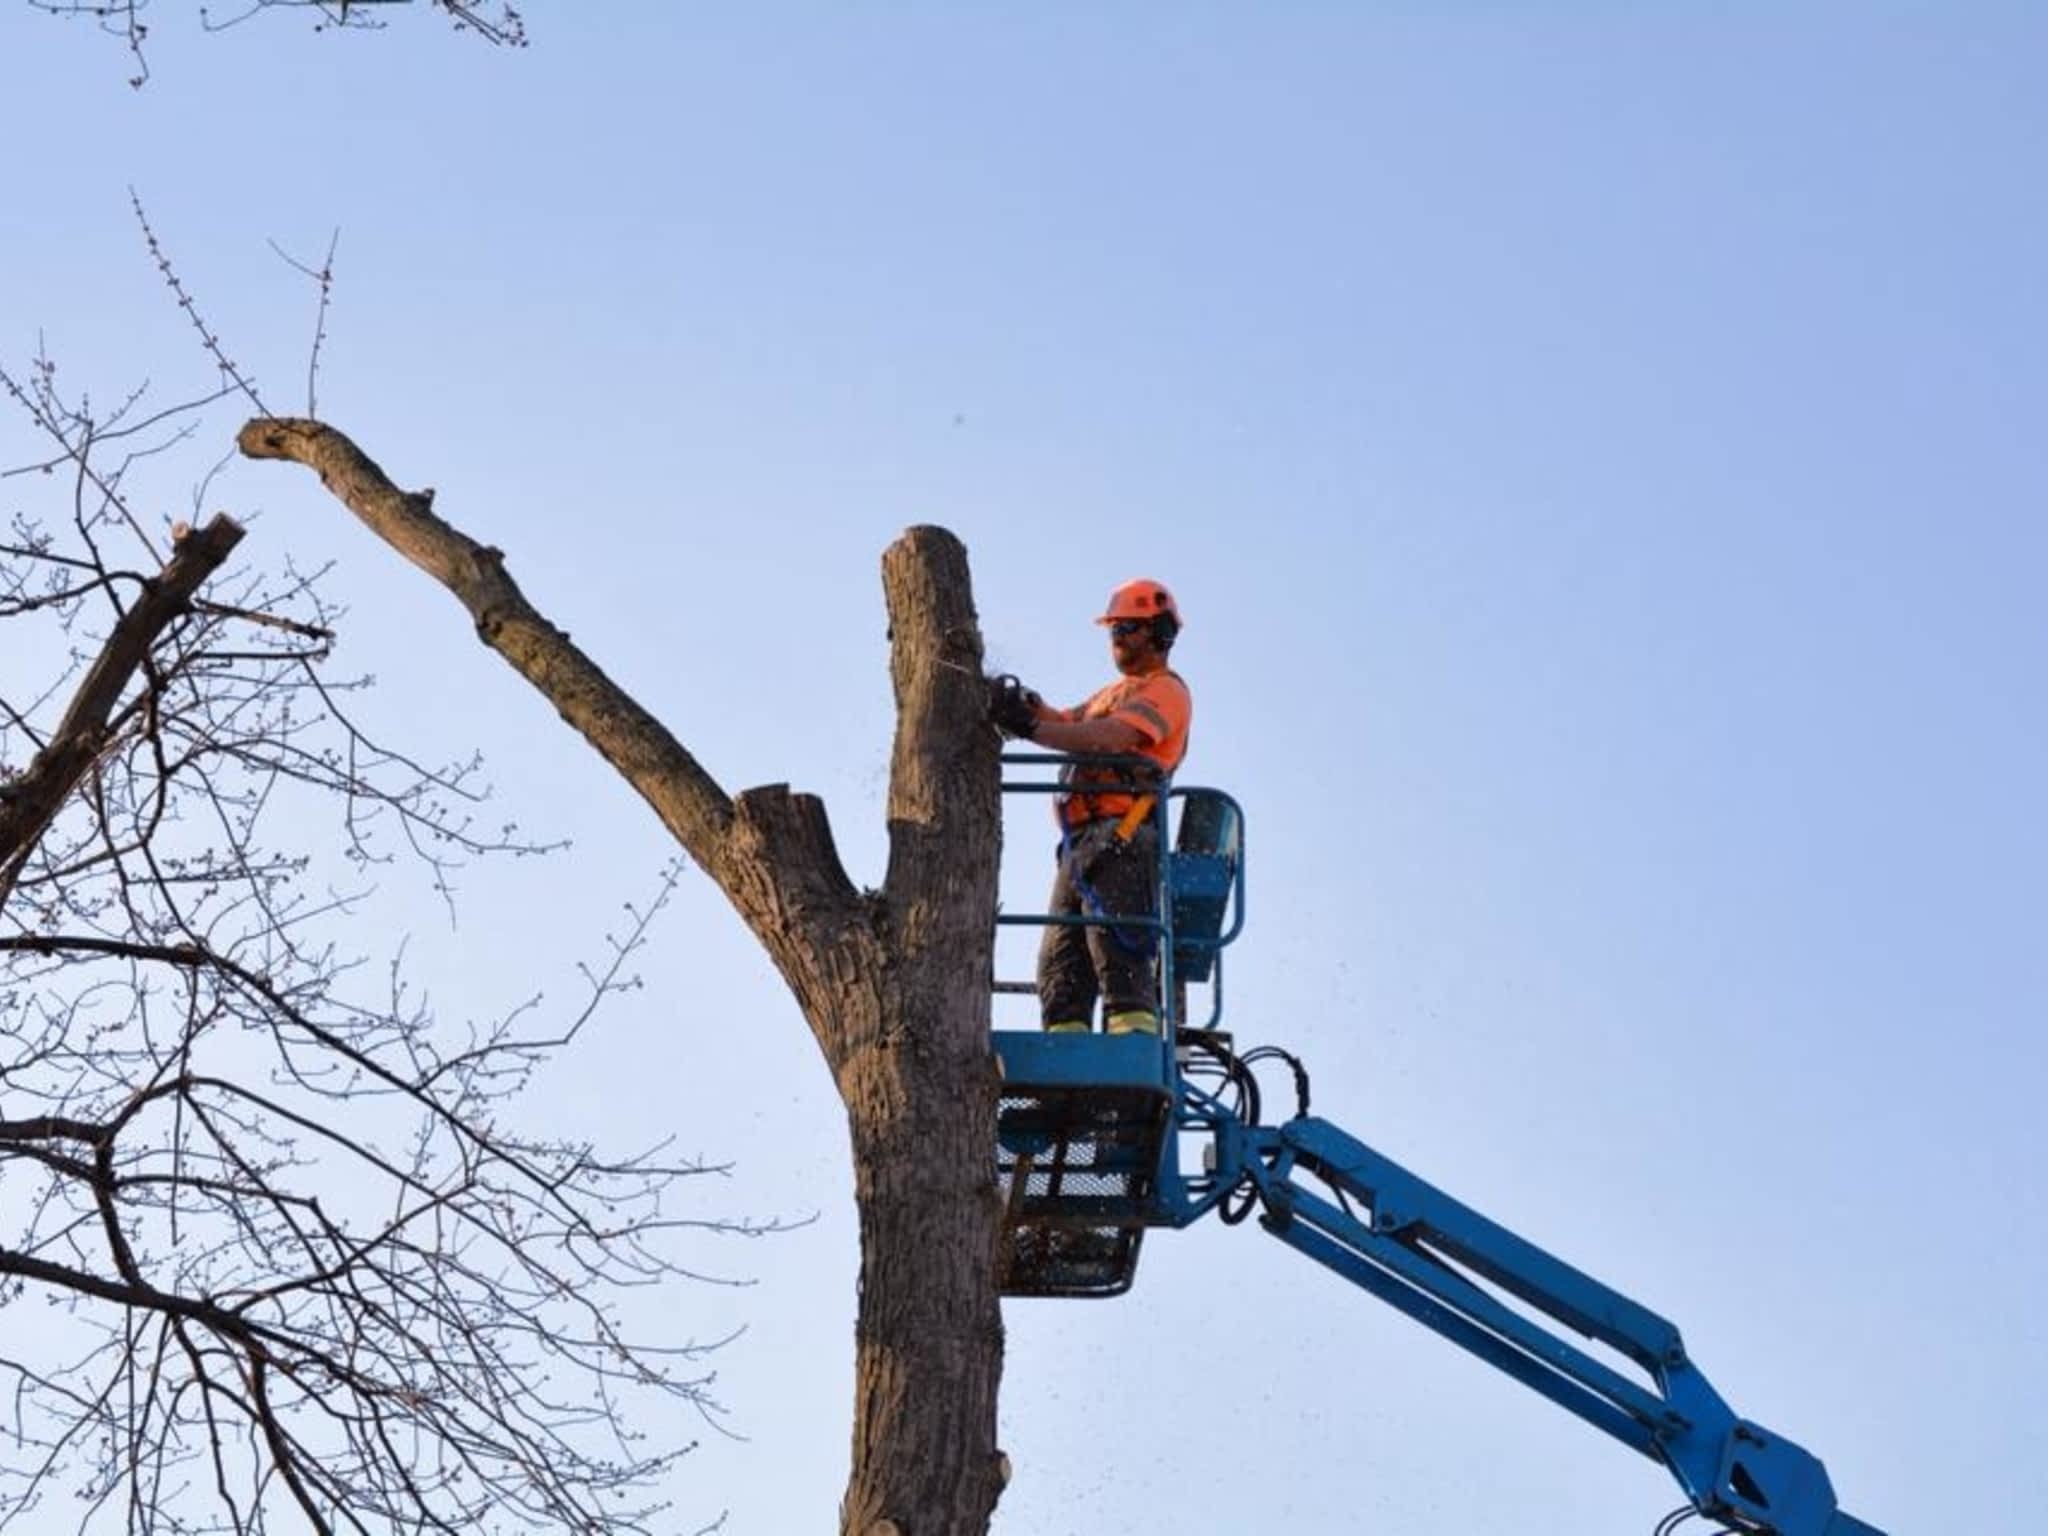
x,y
1136,1021
1067,1027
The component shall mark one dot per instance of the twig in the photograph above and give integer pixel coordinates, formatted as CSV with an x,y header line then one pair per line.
x,y
323,277
206,336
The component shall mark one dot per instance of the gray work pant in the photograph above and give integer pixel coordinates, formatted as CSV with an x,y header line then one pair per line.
x,y
1076,963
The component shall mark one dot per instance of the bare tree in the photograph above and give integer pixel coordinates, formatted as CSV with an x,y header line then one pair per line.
x,y
895,983
273,1252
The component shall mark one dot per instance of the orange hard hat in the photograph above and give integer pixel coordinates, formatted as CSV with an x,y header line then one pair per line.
x,y
1141,599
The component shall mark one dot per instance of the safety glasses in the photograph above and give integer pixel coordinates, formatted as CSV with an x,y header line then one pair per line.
x,y
1123,629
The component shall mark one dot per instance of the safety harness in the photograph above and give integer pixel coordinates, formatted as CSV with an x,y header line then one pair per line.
x,y
1091,900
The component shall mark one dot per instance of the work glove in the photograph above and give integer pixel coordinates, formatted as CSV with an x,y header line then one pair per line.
x,y
1013,707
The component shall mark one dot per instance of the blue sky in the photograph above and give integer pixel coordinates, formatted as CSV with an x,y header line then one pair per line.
x,y
1598,451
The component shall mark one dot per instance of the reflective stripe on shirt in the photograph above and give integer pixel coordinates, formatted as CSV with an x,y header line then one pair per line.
x,y
1159,707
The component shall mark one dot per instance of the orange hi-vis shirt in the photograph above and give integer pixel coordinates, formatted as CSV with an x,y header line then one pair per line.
x,y
1160,707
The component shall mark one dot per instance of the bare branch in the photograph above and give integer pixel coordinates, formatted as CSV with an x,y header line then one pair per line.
x,y
688,800
500,24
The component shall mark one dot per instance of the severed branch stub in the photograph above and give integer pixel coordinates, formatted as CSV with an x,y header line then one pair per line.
x,y
56,770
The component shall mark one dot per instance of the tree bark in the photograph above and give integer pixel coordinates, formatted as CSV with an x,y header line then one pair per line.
x,y
894,984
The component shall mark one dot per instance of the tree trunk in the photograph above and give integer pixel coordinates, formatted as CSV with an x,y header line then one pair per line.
x,y
895,984
928,1352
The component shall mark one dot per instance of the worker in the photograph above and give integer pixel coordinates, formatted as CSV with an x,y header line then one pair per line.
x,y
1108,862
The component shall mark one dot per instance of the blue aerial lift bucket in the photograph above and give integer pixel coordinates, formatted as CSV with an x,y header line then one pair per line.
x,y
1085,1138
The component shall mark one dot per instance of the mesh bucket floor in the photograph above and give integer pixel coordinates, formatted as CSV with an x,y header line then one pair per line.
x,y
1075,1168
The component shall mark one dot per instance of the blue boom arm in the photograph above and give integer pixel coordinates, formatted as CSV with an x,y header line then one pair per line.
x,y
1415,1247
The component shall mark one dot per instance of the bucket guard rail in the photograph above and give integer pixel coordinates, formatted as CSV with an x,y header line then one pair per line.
x,y
1199,910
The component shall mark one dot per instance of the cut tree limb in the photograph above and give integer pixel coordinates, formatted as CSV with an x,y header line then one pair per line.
x,y
33,800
